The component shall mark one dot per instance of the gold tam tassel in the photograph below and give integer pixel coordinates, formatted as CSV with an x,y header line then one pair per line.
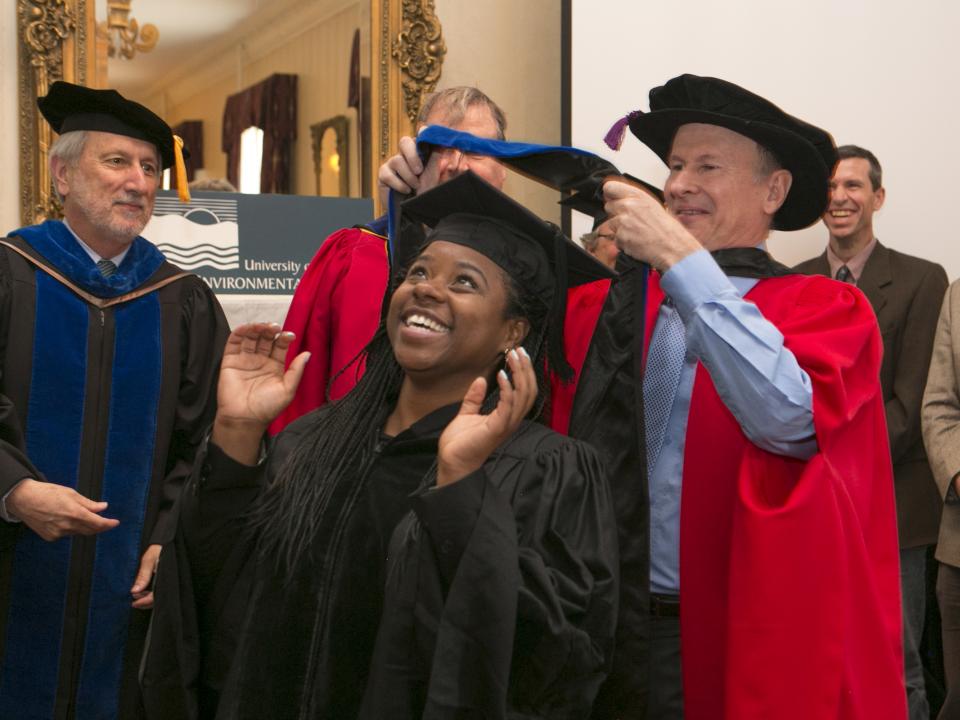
x,y
181,170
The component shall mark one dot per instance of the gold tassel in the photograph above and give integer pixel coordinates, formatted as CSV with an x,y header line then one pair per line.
x,y
181,170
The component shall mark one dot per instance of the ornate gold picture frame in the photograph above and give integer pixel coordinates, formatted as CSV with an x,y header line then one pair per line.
x,y
407,51
57,41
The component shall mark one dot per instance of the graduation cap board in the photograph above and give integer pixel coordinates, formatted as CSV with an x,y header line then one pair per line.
x,y
455,209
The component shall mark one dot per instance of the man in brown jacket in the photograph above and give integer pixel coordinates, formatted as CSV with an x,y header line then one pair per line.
x,y
905,293
941,435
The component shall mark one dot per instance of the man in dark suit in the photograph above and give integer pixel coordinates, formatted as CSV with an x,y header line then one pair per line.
x,y
906,293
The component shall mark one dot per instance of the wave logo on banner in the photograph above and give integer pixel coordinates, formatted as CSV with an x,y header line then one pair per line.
x,y
200,233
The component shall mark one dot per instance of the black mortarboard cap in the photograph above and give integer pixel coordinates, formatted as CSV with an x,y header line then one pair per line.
x,y
470,212
518,240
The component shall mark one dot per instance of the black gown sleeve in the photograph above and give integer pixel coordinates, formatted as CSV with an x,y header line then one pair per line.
x,y
501,591
567,606
203,569
203,335
14,464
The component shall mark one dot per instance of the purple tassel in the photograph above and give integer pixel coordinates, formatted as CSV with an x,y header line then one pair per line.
x,y
614,136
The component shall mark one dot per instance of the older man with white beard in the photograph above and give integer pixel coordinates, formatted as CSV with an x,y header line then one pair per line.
x,y
108,361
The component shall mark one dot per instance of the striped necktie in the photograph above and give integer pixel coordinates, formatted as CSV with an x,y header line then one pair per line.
x,y
106,267
844,275
668,346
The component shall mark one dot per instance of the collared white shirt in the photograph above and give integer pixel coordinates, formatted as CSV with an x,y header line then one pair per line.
x,y
855,264
116,259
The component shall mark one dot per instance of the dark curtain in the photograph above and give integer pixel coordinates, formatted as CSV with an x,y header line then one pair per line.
x,y
192,133
353,92
270,105
358,97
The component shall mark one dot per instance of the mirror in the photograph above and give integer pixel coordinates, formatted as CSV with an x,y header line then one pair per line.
x,y
209,51
331,160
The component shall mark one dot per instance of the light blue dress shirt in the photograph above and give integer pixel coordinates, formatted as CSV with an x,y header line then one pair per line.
x,y
116,259
758,379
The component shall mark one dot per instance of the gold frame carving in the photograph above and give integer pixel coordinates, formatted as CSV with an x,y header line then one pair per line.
x,y
419,49
340,125
52,44
407,51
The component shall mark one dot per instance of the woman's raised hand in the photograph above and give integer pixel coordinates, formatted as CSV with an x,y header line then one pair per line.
x,y
469,439
253,386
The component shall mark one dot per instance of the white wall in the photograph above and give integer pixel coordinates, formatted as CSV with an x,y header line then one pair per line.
x,y
9,128
874,73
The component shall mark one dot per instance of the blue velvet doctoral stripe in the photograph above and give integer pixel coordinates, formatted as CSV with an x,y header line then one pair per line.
x,y
560,167
59,247
134,401
576,159
40,569
504,149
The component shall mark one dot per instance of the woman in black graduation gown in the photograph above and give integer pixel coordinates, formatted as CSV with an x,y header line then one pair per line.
x,y
417,549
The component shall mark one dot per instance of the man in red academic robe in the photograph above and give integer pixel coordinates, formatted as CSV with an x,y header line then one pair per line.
x,y
740,411
336,307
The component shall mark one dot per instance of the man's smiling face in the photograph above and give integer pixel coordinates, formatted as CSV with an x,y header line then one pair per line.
x,y
109,192
853,200
714,189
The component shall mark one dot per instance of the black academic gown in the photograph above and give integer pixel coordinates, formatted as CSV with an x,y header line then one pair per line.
x,y
70,645
492,597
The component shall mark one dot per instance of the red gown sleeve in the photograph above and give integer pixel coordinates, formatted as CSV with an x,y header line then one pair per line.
x,y
334,314
584,304
789,569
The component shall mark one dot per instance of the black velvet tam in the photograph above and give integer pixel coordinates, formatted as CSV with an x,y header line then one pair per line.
x,y
68,107
808,152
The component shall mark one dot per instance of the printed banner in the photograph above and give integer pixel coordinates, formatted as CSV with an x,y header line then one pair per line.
x,y
249,244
